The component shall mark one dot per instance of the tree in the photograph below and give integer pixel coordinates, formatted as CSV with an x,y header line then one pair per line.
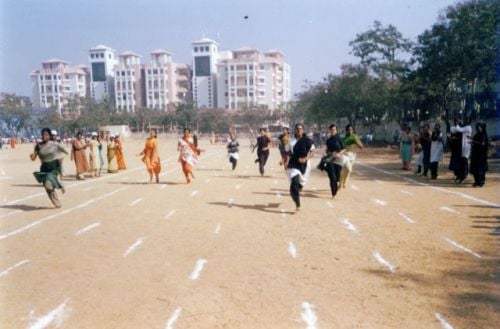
x,y
379,48
15,111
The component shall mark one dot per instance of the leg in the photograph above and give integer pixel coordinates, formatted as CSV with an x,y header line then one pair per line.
x,y
332,176
294,191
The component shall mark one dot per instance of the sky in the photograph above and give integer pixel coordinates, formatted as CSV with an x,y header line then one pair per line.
x,y
314,35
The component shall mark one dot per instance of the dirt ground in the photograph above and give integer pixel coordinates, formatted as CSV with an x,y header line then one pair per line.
x,y
392,250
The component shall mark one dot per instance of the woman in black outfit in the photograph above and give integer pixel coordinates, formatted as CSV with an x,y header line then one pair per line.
x,y
479,155
335,148
302,151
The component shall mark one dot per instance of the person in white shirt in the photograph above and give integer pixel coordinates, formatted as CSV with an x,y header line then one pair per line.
x,y
466,131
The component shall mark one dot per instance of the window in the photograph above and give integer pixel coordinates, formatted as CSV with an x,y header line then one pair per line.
x,y
91,55
155,71
206,48
109,56
195,49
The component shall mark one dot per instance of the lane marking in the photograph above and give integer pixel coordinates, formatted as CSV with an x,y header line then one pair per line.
x,y
380,202
207,180
382,261
443,322
329,204
137,243
36,223
56,315
278,194
349,225
459,246
133,203
6,271
292,249
230,203
170,213
354,187
308,316
200,263
238,187
89,188
275,182
11,213
283,214
171,320
88,228
378,181
406,192
408,219
194,193
217,229
163,186
440,189
453,211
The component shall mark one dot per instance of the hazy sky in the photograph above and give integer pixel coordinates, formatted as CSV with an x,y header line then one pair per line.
x,y
313,34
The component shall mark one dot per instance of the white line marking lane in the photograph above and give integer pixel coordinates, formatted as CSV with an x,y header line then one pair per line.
x,y
134,246
442,321
171,320
382,261
200,263
459,246
40,221
308,315
6,271
57,315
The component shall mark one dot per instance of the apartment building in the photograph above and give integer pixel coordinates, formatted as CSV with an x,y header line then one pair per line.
x,y
56,82
102,61
166,83
128,82
249,78
205,57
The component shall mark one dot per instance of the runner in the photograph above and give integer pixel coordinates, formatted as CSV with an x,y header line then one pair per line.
x,y
150,156
232,150
49,153
188,154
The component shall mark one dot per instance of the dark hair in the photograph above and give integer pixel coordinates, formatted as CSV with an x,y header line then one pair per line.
x,y
332,126
262,129
348,126
299,125
186,130
46,130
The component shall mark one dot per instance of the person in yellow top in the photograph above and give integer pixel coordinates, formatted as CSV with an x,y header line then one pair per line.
x,y
150,156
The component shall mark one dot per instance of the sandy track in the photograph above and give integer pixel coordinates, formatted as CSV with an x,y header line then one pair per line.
x,y
227,250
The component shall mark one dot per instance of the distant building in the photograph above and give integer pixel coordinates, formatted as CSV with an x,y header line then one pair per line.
x,y
252,79
166,83
128,82
56,82
102,61
205,57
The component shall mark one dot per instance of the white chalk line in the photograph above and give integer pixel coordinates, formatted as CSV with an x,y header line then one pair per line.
x,y
230,203
163,186
6,271
378,181
11,213
88,228
459,246
170,213
329,204
194,193
89,188
308,315
380,202
283,214
463,195
447,209
354,187
406,192
56,315
382,261
408,219
171,320
292,249
217,229
84,183
40,221
238,187
349,225
134,246
200,263
207,180
278,194
443,322
133,203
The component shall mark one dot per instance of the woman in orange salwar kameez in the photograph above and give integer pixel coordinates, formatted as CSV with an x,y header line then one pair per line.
x,y
188,154
78,154
119,153
151,158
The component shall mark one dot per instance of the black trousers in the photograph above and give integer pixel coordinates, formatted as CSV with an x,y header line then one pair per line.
x,y
463,168
434,169
233,161
295,188
262,155
333,171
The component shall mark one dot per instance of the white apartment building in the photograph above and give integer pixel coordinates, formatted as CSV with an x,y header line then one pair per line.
x,y
56,82
128,82
252,79
102,61
205,58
